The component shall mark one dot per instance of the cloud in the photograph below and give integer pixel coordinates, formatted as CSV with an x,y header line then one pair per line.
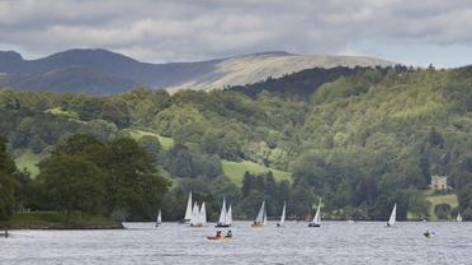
x,y
177,30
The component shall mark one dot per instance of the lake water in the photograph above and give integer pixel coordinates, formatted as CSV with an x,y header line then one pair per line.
x,y
333,243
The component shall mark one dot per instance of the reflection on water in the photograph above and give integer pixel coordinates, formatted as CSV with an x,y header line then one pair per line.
x,y
334,243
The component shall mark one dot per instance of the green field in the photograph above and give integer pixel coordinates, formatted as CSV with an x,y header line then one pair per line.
x,y
136,134
27,159
235,171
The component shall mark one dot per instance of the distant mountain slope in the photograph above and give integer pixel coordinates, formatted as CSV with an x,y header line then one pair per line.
x,y
100,71
250,69
68,80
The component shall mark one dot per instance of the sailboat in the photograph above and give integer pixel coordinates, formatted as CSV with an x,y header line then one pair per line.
x,y
459,217
203,215
282,218
159,219
261,219
224,220
316,222
195,218
393,217
188,211
229,216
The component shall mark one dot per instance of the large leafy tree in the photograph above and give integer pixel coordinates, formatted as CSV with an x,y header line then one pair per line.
x,y
72,183
134,185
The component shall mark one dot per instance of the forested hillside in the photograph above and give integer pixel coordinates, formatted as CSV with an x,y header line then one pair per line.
x,y
361,139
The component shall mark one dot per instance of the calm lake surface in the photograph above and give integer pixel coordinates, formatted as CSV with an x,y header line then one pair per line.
x,y
333,243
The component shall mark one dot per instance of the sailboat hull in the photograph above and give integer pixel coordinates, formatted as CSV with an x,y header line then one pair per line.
x,y
222,225
314,225
258,225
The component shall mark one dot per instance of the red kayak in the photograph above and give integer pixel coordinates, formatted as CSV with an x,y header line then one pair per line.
x,y
218,237
214,237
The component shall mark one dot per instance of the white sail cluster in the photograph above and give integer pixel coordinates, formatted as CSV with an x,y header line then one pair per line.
x,y
226,215
196,215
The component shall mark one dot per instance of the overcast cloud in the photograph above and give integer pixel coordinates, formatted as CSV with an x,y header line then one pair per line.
x,y
437,31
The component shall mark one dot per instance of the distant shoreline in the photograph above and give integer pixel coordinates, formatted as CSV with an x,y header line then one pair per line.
x,y
61,226
58,221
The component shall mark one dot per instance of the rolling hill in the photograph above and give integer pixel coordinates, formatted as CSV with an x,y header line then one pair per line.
x,y
101,72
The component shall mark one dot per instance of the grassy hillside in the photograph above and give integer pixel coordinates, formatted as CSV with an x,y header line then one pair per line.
x,y
27,159
235,171
137,134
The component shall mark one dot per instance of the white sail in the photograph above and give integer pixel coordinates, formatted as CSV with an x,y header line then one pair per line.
x,y
203,215
317,219
459,217
188,212
159,219
229,216
222,219
393,216
265,218
282,218
194,219
261,215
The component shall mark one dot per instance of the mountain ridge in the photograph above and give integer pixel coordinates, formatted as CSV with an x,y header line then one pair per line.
x,y
174,76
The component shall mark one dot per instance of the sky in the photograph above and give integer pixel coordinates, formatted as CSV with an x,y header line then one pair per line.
x,y
423,32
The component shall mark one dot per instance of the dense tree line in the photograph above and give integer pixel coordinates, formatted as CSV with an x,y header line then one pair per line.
x,y
361,139
117,178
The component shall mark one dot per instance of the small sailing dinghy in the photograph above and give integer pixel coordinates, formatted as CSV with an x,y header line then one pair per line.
x,y
199,218
203,215
393,217
159,219
261,219
194,220
316,222
229,216
282,218
225,219
188,211
459,217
